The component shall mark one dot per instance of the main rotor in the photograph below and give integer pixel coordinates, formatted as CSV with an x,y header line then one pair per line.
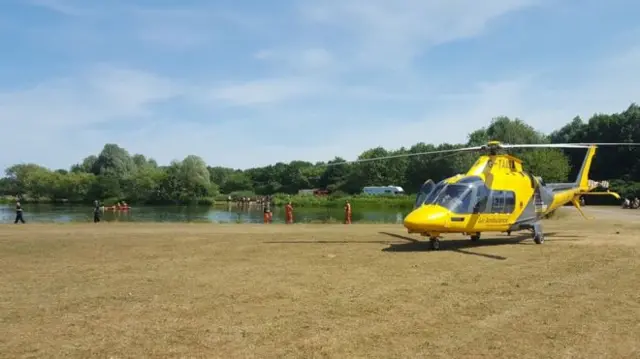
x,y
492,148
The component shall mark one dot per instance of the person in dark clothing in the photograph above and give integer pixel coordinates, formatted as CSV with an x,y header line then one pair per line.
x,y
96,212
19,213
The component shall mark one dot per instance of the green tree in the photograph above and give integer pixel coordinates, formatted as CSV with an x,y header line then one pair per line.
x,y
114,160
236,182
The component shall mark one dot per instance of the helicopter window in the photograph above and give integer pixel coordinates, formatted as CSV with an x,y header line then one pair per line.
x,y
509,201
482,200
502,202
425,190
497,202
431,198
454,198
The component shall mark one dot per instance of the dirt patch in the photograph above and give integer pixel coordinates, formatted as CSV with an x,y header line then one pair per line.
x,y
274,291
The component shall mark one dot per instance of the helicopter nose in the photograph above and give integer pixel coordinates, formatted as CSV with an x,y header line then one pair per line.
x,y
426,218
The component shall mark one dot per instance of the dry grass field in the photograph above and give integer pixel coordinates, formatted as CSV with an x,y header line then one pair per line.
x,y
319,291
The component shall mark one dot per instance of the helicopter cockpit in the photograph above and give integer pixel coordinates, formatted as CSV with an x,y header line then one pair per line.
x,y
468,195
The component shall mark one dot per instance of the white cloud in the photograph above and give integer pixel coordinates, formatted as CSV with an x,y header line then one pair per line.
x,y
60,120
175,28
100,94
264,91
388,32
308,60
65,7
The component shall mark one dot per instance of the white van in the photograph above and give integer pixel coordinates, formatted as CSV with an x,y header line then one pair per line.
x,y
383,190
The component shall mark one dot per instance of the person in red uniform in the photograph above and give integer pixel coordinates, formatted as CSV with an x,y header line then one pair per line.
x,y
347,213
288,212
267,213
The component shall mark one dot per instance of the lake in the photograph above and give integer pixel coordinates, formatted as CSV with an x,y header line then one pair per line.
x,y
47,213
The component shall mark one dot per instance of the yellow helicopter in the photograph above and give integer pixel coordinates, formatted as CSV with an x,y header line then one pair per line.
x,y
497,195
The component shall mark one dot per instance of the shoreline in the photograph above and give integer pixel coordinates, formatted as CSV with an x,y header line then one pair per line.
x,y
298,201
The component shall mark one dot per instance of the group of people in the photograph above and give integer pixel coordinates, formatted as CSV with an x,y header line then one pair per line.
x,y
631,203
268,215
243,201
99,208
288,213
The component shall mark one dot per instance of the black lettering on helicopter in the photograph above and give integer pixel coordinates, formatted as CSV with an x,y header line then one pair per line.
x,y
499,162
502,163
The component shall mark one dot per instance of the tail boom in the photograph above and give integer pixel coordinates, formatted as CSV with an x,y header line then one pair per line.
x,y
583,186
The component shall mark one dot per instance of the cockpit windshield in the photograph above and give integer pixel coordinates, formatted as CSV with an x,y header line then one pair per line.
x,y
434,193
425,190
454,197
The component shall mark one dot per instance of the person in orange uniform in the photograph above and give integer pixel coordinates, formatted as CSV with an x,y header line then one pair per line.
x,y
347,213
288,212
267,212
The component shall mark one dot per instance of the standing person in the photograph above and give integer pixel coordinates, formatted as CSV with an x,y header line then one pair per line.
x,y
347,212
267,212
288,212
19,216
96,211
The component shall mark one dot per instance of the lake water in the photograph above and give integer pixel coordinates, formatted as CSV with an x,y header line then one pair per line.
x,y
44,213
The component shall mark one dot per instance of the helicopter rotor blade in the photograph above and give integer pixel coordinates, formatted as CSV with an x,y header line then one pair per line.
x,y
453,150
546,145
568,145
612,144
485,147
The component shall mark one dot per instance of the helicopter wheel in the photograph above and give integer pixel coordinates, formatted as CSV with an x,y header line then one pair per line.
x,y
475,237
435,243
538,238
538,235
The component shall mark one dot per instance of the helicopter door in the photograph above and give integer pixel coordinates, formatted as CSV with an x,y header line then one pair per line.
x,y
498,210
425,190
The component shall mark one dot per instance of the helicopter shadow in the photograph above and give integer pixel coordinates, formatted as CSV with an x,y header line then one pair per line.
x,y
325,242
460,245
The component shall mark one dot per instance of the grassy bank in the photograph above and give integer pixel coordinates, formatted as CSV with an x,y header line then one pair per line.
x,y
339,201
279,200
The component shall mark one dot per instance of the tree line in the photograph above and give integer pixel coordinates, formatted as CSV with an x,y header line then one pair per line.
x,y
115,174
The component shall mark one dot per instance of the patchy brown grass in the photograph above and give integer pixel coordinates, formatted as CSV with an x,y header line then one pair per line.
x,y
311,291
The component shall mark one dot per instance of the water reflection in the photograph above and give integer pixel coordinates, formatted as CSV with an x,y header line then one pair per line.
x,y
220,214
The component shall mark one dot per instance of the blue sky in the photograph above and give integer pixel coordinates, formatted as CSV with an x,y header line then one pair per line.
x,y
247,83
